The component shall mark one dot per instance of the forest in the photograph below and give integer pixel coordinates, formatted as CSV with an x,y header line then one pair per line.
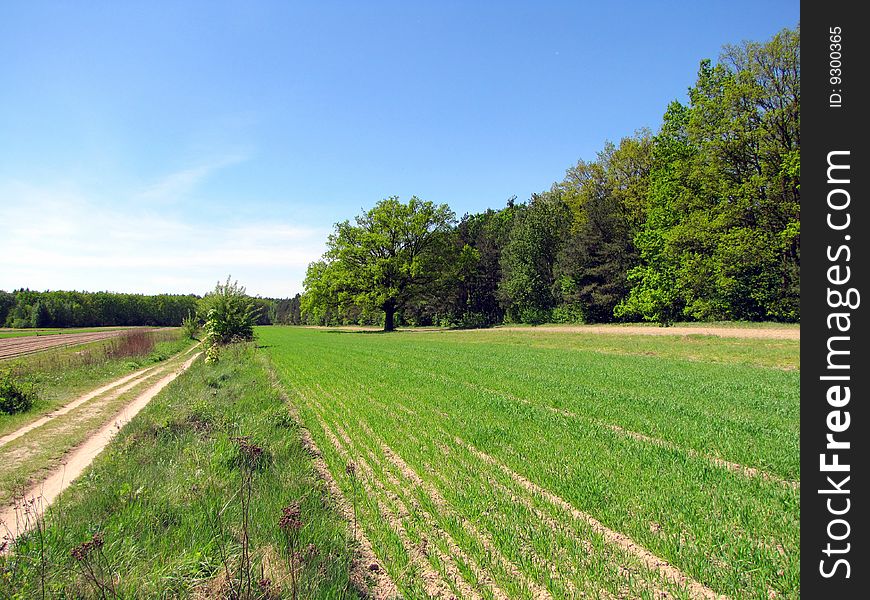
x,y
697,222
31,309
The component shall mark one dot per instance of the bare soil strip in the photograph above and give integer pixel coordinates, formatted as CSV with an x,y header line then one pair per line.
x,y
434,584
19,346
653,562
769,333
18,518
384,588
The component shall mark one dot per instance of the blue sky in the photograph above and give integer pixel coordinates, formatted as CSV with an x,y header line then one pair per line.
x,y
159,146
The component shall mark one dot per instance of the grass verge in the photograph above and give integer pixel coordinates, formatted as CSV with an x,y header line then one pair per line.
x,y
167,501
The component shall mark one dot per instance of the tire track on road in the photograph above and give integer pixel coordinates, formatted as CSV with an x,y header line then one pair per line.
x,y
18,518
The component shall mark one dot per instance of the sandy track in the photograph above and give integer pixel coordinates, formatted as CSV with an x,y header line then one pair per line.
x,y
132,378
12,347
770,333
15,520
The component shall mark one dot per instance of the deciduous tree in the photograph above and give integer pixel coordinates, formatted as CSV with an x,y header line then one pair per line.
x,y
390,255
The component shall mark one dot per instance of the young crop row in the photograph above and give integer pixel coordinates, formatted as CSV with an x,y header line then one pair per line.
x,y
497,470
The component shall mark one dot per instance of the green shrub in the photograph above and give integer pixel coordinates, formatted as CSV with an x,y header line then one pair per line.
x,y
535,316
189,326
230,317
568,313
15,396
473,320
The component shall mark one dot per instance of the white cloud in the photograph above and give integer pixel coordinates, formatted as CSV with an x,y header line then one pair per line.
x,y
178,184
59,238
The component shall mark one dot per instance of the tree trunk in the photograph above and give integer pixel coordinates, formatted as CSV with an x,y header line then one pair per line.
x,y
389,315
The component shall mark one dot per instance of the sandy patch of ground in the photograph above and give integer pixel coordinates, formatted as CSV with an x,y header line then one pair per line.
x,y
770,333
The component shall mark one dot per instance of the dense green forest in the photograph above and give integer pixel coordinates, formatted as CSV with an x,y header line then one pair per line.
x,y
26,308
699,221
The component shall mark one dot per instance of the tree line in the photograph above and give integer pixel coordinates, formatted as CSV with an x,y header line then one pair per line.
x,y
699,221
27,308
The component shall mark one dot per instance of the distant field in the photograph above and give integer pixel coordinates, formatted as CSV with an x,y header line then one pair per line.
x,y
22,345
539,463
13,333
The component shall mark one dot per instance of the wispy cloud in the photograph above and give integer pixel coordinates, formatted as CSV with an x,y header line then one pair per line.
x,y
180,183
58,237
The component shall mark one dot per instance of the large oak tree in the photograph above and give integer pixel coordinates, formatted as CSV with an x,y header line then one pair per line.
x,y
389,255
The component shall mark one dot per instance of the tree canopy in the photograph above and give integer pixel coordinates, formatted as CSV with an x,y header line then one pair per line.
x,y
391,255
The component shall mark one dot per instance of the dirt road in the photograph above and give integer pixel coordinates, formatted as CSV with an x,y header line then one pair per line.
x,y
22,515
19,346
770,333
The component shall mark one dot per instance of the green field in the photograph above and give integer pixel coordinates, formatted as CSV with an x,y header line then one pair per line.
x,y
485,464
513,464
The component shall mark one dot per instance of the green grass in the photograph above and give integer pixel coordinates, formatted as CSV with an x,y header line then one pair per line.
x,y
58,378
777,353
155,492
545,406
